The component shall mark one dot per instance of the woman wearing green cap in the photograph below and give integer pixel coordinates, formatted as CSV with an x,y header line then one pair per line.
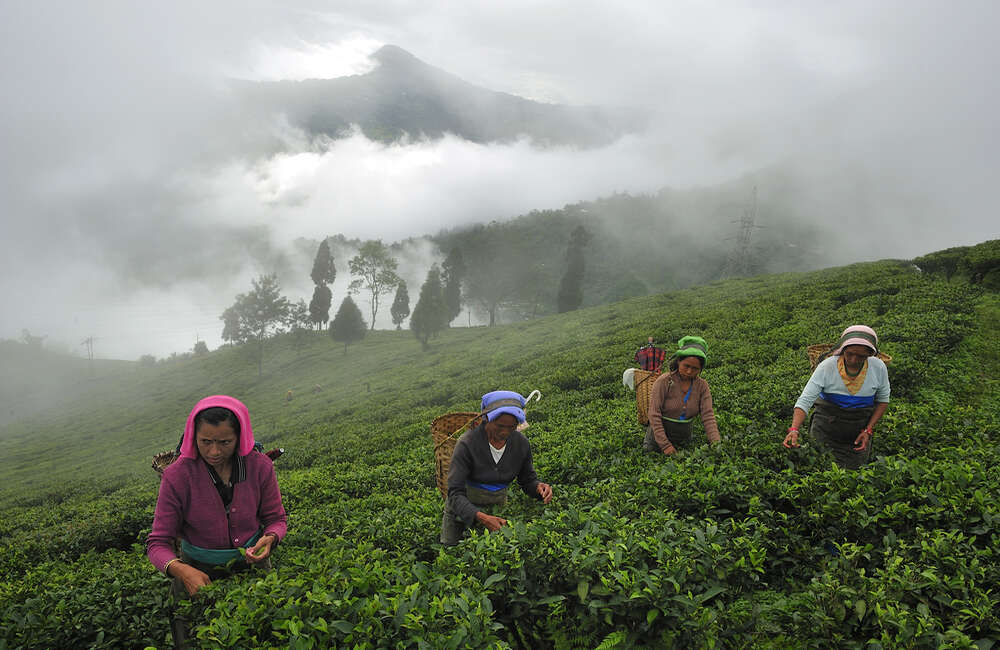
x,y
678,397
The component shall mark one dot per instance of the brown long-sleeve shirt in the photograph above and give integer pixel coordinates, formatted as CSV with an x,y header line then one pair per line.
x,y
666,400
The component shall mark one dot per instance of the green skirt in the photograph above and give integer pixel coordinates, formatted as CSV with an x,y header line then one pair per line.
x,y
678,433
453,529
836,429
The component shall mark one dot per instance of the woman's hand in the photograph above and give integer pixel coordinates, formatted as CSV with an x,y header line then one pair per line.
x,y
493,524
861,442
261,550
669,450
792,439
192,578
545,491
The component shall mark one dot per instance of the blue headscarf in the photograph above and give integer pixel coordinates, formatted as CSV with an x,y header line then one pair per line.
x,y
503,401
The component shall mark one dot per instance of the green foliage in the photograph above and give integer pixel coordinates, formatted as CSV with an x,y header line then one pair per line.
x,y
348,326
319,305
323,270
744,544
510,270
257,315
641,244
430,316
375,269
400,305
452,275
570,294
978,264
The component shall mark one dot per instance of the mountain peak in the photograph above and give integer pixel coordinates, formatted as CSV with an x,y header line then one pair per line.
x,y
395,56
405,95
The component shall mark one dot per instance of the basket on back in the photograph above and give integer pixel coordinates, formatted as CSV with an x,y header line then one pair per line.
x,y
819,351
644,380
445,431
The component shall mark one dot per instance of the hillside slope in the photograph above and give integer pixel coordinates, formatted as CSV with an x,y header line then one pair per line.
x,y
745,544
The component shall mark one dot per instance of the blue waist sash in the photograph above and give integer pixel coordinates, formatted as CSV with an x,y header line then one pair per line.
x,y
216,556
489,487
849,401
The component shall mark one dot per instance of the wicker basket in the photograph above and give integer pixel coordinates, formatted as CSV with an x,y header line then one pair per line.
x,y
445,431
163,460
644,380
820,350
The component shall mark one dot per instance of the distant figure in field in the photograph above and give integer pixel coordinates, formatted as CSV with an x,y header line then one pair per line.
x,y
678,397
649,357
288,396
850,390
220,498
317,389
485,461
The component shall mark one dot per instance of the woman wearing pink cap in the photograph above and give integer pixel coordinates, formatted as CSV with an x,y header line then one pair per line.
x,y
850,390
220,498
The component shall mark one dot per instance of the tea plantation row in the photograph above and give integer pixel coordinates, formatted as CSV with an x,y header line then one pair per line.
x,y
741,545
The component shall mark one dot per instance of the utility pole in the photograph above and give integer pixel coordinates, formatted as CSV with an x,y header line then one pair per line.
x,y
739,262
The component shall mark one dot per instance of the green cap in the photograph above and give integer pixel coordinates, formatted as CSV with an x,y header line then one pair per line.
x,y
692,346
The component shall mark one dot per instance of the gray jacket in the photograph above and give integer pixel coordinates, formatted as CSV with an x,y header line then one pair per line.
x,y
472,461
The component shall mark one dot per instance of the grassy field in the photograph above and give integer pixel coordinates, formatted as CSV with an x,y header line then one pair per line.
x,y
742,545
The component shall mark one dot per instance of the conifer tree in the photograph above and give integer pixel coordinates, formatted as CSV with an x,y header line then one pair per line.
x,y
323,273
323,270
319,306
570,295
431,313
452,275
348,326
400,305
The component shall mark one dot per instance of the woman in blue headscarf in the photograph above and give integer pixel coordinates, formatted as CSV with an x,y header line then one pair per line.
x,y
485,461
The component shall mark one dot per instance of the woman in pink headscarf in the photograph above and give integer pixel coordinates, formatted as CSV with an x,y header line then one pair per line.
x,y
220,498
850,390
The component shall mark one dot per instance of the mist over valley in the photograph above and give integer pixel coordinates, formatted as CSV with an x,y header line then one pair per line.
x,y
219,162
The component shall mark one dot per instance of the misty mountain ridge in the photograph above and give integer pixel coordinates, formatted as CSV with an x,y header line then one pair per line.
x,y
405,97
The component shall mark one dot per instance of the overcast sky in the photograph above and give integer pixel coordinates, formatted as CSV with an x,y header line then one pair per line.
x,y
135,201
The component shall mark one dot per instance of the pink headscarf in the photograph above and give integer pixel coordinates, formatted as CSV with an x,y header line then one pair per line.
x,y
857,335
188,447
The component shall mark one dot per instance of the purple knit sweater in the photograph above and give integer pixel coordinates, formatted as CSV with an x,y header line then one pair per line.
x,y
190,507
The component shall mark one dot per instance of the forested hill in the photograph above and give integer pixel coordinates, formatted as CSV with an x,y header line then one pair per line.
x,y
403,96
639,244
741,545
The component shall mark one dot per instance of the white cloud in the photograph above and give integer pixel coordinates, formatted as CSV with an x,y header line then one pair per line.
x,y
310,60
